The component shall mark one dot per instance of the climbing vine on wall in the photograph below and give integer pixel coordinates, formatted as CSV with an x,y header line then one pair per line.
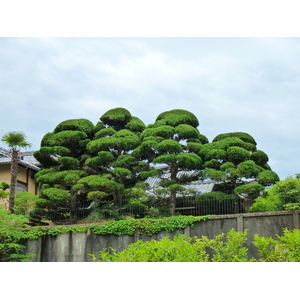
x,y
147,226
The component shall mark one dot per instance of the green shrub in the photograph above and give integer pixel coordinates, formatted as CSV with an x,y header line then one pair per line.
x,y
222,248
165,250
285,248
284,195
262,204
24,201
11,236
181,249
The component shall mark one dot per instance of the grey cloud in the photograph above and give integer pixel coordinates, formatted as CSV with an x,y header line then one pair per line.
x,y
230,84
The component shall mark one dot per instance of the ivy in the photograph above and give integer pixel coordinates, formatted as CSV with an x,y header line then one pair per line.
x,y
121,227
116,227
152,226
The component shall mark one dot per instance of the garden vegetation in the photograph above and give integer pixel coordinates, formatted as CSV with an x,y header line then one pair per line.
x,y
223,248
101,170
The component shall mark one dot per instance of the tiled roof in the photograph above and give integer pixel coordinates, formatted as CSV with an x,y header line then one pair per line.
x,y
201,186
26,159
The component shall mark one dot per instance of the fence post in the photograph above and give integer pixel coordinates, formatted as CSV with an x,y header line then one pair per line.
x,y
296,220
187,232
136,234
239,223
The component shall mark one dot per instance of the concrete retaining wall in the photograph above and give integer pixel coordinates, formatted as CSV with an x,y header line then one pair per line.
x,y
75,247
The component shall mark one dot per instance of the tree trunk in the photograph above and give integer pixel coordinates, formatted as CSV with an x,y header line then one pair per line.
x,y
172,203
13,180
174,171
73,208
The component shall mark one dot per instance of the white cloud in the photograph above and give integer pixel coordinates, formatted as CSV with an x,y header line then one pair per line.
x,y
230,84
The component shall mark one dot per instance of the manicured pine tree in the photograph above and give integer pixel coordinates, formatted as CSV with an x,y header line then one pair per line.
x,y
62,156
117,136
234,160
172,142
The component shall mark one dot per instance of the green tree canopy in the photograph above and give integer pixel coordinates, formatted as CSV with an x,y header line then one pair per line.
x,y
62,156
171,142
234,159
120,118
177,117
111,149
69,139
82,125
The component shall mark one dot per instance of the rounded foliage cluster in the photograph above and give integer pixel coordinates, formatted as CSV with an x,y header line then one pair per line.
x,y
241,135
176,117
116,117
83,125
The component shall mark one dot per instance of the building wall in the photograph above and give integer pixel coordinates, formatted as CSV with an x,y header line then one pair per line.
x,y
26,181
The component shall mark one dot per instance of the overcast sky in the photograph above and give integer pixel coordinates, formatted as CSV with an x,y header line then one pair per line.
x,y
230,84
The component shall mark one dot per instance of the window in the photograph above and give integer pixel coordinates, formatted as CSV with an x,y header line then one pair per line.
x,y
21,187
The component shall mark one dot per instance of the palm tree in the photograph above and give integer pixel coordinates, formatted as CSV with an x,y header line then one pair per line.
x,y
14,140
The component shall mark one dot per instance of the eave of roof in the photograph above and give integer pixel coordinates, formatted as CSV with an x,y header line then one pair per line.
x,y
7,161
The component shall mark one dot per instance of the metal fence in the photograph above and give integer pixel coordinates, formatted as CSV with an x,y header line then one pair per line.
x,y
152,208
192,205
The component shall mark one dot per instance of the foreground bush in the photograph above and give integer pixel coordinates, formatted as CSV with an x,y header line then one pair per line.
x,y
284,195
222,248
11,234
181,249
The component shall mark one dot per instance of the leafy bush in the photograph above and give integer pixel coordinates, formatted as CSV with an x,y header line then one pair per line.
x,y
181,249
3,193
284,195
165,250
11,235
222,248
262,204
284,249
24,201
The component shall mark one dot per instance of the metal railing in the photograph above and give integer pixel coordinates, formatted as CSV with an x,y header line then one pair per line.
x,y
153,208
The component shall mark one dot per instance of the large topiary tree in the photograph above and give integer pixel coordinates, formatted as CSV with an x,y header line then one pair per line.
x,y
62,156
117,135
77,149
172,142
233,160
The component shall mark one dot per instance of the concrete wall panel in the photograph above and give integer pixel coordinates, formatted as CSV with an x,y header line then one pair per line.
x,y
76,247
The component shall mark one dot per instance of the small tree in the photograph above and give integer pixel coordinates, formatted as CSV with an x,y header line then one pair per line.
x,y
14,140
